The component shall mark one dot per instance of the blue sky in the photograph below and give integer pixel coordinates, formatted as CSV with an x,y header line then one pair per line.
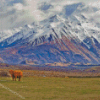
x,y
16,13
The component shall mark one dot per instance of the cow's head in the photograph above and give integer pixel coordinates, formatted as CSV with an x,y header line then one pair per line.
x,y
11,71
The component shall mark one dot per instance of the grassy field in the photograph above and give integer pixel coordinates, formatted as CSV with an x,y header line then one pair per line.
x,y
51,88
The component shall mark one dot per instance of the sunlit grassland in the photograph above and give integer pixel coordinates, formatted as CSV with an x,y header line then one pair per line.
x,y
51,88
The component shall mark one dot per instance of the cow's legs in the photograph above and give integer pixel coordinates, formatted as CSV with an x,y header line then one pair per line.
x,y
15,78
12,77
19,78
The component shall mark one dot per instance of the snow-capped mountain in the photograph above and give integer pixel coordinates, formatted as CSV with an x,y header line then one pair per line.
x,y
69,35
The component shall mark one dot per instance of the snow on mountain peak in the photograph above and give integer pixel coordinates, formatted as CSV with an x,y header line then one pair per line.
x,y
68,33
75,21
54,24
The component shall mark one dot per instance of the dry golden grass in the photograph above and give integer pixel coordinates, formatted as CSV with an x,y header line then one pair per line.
x,y
29,73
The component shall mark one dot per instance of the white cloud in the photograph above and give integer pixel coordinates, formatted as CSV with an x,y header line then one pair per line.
x,y
18,6
16,13
95,4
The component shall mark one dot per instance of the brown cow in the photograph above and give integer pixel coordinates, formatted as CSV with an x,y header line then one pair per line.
x,y
16,74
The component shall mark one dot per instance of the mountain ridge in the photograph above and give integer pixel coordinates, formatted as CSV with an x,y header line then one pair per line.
x,y
68,36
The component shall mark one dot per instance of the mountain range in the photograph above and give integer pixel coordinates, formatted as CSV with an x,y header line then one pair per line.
x,y
71,35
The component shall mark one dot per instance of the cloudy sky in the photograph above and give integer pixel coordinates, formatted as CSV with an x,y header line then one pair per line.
x,y
16,13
